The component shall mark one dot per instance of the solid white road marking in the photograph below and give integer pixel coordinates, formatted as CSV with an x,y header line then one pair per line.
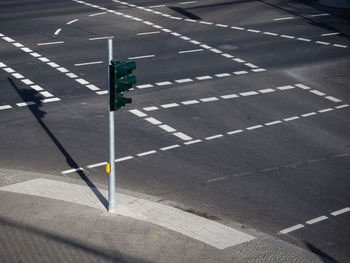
x,y
146,153
316,220
283,18
188,224
73,21
140,57
96,165
169,147
148,33
98,14
330,34
290,229
190,51
341,211
50,43
72,170
58,31
88,63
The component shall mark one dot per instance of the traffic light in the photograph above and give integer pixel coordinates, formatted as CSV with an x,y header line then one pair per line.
x,y
120,81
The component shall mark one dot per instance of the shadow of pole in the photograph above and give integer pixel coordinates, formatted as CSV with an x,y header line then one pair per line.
x,y
35,97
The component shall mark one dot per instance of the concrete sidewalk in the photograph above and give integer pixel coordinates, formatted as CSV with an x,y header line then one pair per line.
x,y
39,229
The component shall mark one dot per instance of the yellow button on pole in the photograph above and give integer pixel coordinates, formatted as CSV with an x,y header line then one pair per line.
x,y
108,168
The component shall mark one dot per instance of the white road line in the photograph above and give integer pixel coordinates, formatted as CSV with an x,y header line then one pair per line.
x,y
122,159
190,20
50,43
96,165
237,27
5,107
342,106
18,76
27,50
146,153
169,105
253,30
333,99
138,113
270,34
287,36
249,93
145,86
183,80
302,86
234,132
189,102
266,90
44,59
58,31
50,100
318,93
216,179
27,81
102,92
254,127
2,65
153,121
204,230
223,75
148,33
205,23
182,136
343,46
190,51
155,6
62,69
34,54
229,96
316,220
272,123
46,94
71,75
323,14
291,118
185,38
341,211
239,60
27,103
290,229
8,39
325,110
283,18
88,63
227,55
221,25
98,14
209,99
73,21
9,70
240,72
92,87
304,39
308,114
322,43
98,38
167,128
285,87
82,81
213,137
259,70
195,42
192,142
170,147
53,64
151,108
164,83
36,87
330,34
203,77
140,57
188,2
72,170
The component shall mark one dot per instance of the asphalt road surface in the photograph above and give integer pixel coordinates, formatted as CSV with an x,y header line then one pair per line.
x,y
240,112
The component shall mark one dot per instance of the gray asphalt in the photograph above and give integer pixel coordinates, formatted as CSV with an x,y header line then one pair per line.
x,y
269,178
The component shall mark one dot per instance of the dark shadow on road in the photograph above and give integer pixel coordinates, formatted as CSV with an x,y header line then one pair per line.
x,y
184,12
30,95
31,243
323,256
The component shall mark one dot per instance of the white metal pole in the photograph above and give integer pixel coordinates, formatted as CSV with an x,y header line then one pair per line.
x,y
111,177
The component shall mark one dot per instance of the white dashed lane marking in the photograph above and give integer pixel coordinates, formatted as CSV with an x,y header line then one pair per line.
x,y
141,57
88,63
50,43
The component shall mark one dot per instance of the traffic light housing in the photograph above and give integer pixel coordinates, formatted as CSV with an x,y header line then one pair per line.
x,y
120,82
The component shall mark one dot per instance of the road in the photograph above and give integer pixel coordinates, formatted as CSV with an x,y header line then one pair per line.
x,y
240,112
